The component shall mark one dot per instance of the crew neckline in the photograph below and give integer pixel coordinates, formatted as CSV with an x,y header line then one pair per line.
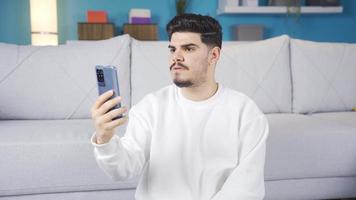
x,y
198,104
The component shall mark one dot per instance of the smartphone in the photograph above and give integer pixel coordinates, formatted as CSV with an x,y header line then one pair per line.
x,y
107,80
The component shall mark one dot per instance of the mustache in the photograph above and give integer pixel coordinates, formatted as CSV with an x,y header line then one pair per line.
x,y
178,64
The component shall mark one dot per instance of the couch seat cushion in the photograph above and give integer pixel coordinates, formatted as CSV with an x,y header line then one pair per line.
x,y
301,146
48,156
346,118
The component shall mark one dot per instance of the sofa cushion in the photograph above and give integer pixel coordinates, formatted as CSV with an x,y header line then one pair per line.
x,y
323,76
337,188
260,70
345,118
121,194
49,156
58,82
302,146
150,68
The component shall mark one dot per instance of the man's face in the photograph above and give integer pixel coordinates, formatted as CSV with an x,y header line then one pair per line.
x,y
188,59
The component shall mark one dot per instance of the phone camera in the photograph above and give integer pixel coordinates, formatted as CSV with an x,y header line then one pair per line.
x,y
100,75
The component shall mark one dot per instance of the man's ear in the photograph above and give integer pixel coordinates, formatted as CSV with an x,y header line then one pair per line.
x,y
214,55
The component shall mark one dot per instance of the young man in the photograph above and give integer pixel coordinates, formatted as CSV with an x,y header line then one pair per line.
x,y
192,140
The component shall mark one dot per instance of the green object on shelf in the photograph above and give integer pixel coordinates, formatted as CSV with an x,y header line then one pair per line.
x,y
181,5
293,6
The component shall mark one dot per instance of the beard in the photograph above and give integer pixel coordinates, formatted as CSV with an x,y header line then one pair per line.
x,y
182,84
195,81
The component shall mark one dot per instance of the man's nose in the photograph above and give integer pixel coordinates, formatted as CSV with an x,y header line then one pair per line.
x,y
177,57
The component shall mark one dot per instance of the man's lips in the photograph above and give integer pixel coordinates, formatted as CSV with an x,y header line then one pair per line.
x,y
178,66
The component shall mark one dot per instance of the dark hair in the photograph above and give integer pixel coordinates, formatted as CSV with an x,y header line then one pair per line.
x,y
208,27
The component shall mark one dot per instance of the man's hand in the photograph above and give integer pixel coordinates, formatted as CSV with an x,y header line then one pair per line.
x,y
104,124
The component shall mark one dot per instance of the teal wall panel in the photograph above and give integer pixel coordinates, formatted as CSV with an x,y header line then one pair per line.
x,y
15,20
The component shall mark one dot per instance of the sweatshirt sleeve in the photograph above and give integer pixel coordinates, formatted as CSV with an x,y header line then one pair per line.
x,y
247,179
124,158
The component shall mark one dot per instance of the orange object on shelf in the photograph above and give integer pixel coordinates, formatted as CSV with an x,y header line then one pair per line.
x,y
97,16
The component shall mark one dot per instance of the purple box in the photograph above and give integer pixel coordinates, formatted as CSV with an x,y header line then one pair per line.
x,y
140,20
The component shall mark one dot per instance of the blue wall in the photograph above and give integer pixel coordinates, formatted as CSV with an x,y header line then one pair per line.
x,y
15,23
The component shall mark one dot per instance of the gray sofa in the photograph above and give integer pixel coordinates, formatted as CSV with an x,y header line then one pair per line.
x,y
307,90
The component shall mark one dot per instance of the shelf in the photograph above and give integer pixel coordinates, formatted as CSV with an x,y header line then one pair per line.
x,y
95,31
278,10
142,31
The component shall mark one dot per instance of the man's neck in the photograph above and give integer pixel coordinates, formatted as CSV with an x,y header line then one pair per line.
x,y
201,92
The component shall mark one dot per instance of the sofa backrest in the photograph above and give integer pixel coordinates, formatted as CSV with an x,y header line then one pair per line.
x,y
149,68
259,69
324,76
58,82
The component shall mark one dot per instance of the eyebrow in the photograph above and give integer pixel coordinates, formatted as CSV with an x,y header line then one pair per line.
x,y
184,45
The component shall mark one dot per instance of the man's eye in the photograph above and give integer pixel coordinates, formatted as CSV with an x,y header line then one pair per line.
x,y
171,50
188,49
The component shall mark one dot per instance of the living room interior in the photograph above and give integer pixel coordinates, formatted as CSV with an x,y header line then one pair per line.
x,y
295,58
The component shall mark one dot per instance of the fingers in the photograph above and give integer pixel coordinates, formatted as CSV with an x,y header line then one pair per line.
x,y
102,120
102,99
108,105
117,122
108,117
104,127
104,108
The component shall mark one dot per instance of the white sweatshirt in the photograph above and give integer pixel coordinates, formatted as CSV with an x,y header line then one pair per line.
x,y
190,150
